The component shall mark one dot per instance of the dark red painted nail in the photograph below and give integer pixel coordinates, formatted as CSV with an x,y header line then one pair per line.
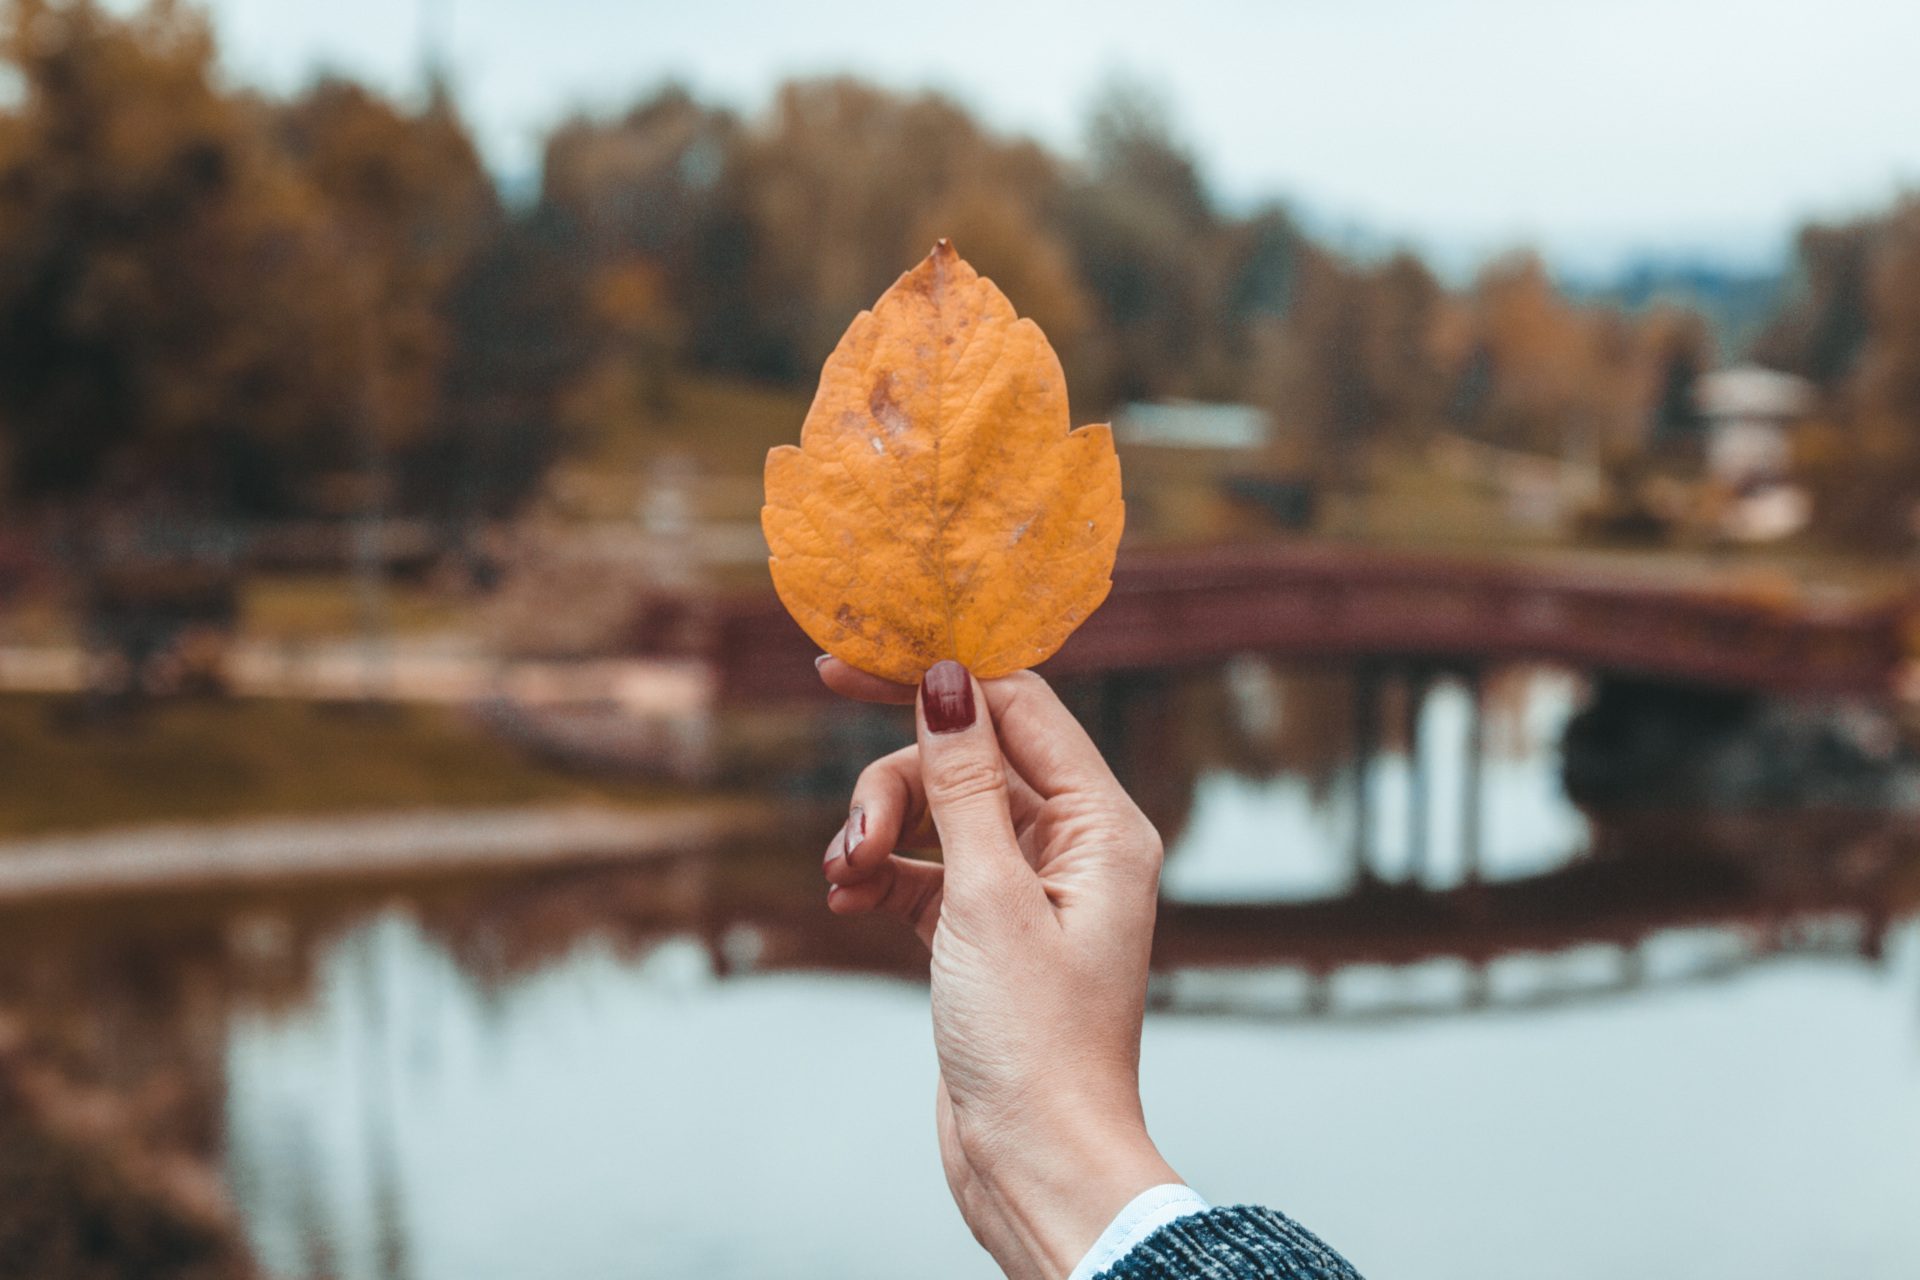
x,y
946,697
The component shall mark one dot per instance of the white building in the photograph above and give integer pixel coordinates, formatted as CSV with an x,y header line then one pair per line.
x,y
1750,413
1189,424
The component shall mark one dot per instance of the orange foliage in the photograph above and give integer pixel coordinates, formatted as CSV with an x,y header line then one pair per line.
x,y
938,506
1539,372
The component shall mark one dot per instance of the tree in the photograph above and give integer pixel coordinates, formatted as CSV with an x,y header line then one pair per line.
x,y
521,336
165,290
1850,323
655,194
1145,239
844,183
1819,331
1863,349
409,207
1349,364
766,239
1681,348
1531,370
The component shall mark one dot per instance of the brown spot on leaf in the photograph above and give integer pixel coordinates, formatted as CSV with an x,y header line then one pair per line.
x,y
885,409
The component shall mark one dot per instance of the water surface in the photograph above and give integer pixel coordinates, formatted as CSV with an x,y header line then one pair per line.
x,y
611,1118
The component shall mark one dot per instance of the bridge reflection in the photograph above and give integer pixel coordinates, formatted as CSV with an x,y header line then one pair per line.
x,y
1721,830
1429,879
122,1009
149,972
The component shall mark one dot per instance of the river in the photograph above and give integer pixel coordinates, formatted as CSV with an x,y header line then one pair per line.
x,y
623,1109
1678,1041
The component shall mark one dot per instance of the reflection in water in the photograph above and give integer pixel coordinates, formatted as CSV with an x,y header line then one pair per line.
x,y
690,1069
643,1117
602,1118
1285,837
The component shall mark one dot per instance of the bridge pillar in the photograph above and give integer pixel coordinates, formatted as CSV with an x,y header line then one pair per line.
x,y
1419,680
1366,745
1470,821
1479,988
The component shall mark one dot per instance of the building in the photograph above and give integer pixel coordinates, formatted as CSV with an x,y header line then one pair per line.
x,y
1750,414
1189,424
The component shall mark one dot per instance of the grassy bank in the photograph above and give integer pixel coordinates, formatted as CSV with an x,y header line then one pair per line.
x,y
210,760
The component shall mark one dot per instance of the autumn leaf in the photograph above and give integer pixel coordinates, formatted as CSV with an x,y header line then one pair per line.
x,y
938,506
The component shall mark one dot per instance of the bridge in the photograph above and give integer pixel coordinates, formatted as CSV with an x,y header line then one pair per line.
x,y
1173,609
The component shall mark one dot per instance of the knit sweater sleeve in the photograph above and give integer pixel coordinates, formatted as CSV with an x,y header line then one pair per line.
x,y
1245,1242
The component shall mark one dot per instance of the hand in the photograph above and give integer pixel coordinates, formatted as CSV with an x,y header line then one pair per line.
x,y
1041,924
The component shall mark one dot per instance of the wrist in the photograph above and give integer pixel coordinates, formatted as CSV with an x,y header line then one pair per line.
x,y
1044,1191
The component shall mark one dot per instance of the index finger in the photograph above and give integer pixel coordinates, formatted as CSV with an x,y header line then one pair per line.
x,y
1041,740
851,682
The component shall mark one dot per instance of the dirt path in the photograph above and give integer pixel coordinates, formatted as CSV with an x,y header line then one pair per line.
x,y
202,857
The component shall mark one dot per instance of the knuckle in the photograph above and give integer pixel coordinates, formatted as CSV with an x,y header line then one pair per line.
x,y
967,778
1144,848
1134,843
1146,838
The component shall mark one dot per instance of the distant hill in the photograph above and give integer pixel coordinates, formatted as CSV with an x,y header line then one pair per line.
x,y
1738,303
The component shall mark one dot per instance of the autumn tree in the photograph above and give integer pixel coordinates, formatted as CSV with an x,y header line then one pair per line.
x,y
844,184
1530,369
653,197
745,245
409,207
1851,323
1347,363
1142,227
167,294
217,296
746,248
1823,323
521,336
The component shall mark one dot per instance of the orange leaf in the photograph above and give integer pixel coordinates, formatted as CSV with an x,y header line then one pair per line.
x,y
938,506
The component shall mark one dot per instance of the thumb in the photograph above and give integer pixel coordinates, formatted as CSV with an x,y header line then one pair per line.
x,y
966,782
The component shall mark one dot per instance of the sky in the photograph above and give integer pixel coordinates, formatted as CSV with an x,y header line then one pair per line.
x,y
1597,131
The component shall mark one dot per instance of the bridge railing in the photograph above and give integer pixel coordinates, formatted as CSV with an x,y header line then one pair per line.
x,y
1185,608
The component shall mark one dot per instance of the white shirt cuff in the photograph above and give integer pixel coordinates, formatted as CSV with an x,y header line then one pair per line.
x,y
1145,1214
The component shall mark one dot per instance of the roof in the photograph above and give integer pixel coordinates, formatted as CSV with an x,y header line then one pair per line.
x,y
1191,425
1750,391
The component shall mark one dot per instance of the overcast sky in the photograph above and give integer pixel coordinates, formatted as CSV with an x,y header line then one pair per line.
x,y
1594,129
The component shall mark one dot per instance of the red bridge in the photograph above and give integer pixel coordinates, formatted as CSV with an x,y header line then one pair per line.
x,y
1171,609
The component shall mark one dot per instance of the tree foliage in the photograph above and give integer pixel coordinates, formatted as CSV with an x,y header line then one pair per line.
x,y
210,299
227,296
763,237
162,267
1851,324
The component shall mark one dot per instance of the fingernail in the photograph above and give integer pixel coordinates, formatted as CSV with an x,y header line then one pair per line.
x,y
946,697
833,851
854,832
821,661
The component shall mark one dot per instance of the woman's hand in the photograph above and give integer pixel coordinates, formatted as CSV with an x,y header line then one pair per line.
x,y
1041,922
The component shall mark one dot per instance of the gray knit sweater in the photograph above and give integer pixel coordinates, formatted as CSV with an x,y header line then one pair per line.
x,y
1244,1242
